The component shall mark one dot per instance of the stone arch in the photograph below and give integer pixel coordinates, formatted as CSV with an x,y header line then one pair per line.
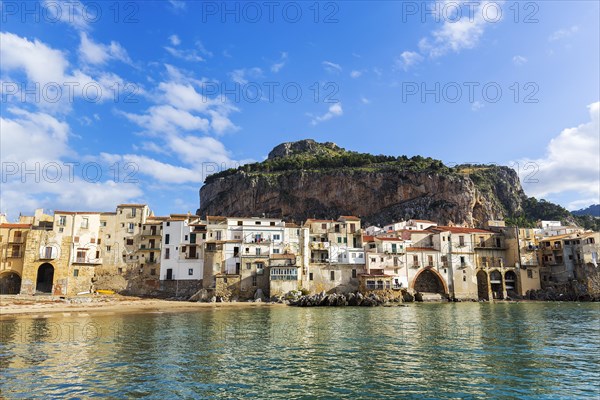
x,y
428,280
10,283
45,278
497,284
510,281
483,292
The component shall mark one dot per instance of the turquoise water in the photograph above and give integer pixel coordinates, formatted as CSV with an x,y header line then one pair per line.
x,y
466,350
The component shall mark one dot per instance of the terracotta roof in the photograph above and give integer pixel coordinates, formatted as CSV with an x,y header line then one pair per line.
x,y
78,212
349,217
423,220
11,226
368,238
291,225
420,249
457,229
391,239
283,256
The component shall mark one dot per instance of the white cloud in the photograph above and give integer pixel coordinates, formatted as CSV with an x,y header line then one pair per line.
x,y
96,53
408,59
364,100
186,55
279,64
332,67
174,39
71,12
19,53
178,5
335,110
519,60
476,106
242,75
32,137
168,119
462,33
563,33
355,74
571,163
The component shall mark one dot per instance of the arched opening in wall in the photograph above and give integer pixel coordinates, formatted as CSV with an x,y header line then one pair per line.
x,y
510,280
482,286
10,283
45,278
496,284
429,282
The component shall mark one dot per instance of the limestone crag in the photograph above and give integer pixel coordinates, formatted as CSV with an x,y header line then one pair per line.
x,y
376,192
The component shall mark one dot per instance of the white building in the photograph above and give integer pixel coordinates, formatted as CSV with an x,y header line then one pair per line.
x,y
182,248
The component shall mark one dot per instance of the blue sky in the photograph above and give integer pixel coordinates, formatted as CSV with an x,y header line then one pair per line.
x,y
109,102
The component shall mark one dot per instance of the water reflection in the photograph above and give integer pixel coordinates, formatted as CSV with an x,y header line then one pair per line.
x,y
423,350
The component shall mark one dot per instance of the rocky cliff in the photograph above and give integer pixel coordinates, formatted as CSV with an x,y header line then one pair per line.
x,y
307,179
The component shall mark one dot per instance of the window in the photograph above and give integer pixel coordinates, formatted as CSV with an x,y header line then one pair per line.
x,y
395,261
253,280
354,273
153,271
275,251
530,274
339,239
92,240
192,238
129,242
76,239
191,271
248,266
415,260
276,237
257,251
272,223
323,226
332,275
462,260
133,212
62,220
257,222
310,276
85,223
102,223
75,272
185,238
464,278
167,238
430,260
240,223
108,248
168,223
167,253
461,240
120,270
99,241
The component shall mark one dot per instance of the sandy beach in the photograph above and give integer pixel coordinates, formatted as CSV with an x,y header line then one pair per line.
x,y
47,306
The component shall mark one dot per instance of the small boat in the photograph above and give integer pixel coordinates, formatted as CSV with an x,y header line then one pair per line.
x,y
103,291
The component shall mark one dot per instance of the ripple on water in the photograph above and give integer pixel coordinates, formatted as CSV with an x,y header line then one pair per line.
x,y
532,350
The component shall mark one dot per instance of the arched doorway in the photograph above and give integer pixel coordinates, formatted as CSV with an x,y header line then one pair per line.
x,y
427,281
496,284
45,278
10,283
482,286
510,280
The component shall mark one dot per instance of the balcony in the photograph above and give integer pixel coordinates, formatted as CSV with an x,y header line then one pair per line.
x,y
319,245
319,260
151,261
191,257
83,260
144,248
254,255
